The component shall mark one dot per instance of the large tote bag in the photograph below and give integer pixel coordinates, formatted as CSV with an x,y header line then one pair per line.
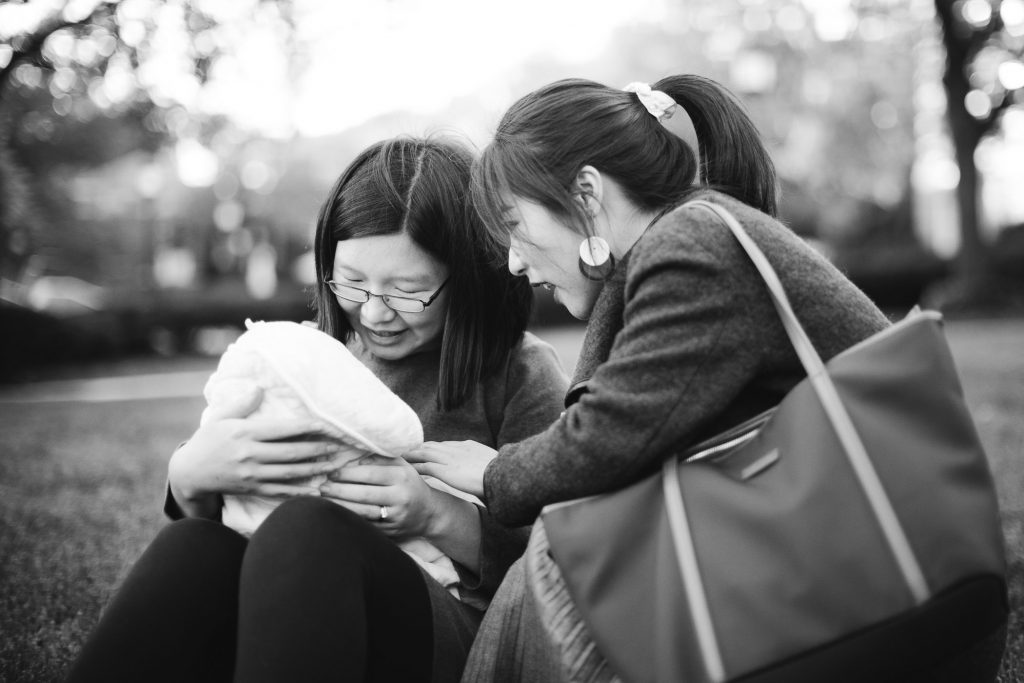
x,y
850,534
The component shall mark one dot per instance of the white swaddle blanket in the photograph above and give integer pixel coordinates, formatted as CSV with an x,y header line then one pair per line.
x,y
301,372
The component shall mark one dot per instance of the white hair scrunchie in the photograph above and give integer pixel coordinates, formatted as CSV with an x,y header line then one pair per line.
x,y
656,102
669,113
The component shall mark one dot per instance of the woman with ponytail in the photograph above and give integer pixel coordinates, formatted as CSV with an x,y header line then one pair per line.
x,y
585,187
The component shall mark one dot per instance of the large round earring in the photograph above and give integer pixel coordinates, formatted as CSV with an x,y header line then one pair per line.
x,y
596,260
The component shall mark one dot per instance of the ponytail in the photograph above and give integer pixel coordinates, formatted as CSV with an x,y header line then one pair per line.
x,y
733,157
546,137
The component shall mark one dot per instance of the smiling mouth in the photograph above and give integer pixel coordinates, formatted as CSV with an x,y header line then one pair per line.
x,y
384,334
546,285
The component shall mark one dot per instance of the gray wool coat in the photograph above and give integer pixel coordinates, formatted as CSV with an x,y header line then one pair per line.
x,y
683,342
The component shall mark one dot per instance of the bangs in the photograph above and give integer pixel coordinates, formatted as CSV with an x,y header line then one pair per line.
x,y
507,170
490,190
369,204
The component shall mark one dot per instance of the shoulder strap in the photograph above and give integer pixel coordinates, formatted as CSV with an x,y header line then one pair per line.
x,y
834,409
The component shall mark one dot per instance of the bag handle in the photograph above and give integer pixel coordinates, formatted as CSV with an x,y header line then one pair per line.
x,y
834,409
892,530
805,350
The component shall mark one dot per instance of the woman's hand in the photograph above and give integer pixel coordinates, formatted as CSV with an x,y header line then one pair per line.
x,y
460,464
260,456
414,509
267,457
373,482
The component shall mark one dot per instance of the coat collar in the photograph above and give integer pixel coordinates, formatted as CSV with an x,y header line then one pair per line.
x,y
606,320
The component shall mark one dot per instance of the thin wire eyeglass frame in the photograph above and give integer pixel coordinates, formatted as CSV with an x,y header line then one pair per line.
x,y
362,296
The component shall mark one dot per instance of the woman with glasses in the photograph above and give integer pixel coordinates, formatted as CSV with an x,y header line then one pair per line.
x,y
321,590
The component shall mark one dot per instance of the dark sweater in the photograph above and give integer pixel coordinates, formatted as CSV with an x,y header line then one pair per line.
x,y
509,406
682,343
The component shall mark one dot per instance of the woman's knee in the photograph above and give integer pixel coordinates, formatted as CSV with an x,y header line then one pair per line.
x,y
193,536
192,551
309,544
311,520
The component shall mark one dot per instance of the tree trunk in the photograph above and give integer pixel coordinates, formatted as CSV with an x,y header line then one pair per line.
x,y
972,260
971,268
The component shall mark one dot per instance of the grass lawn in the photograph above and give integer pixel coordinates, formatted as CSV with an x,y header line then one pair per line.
x,y
81,487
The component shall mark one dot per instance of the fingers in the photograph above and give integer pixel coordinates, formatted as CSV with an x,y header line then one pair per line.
x,y
296,451
428,452
371,513
429,469
367,458
282,490
285,473
374,475
358,493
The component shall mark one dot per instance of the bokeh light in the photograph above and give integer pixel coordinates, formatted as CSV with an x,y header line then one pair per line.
x,y
978,104
1011,75
1012,14
197,165
977,13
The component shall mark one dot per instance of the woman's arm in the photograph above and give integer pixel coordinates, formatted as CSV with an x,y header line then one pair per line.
x,y
457,531
686,350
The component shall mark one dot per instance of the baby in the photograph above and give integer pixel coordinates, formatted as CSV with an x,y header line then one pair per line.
x,y
301,372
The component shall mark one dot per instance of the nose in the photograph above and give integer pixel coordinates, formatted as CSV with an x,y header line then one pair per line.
x,y
375,311
515,264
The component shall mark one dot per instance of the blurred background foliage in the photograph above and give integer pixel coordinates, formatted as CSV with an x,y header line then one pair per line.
x,y
162,161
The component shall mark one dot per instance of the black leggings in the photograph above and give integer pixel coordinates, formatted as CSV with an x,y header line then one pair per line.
x,y
317,594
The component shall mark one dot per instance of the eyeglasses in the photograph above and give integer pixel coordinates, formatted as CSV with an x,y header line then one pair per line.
x,y
402,304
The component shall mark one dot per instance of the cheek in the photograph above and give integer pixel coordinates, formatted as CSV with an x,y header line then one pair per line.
x,y
349,310
554,259
568,252
428,326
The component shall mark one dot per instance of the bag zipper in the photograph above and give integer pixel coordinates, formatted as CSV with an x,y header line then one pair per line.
x,y
729,439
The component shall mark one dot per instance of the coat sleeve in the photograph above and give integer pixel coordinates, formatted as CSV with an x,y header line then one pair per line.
x,y
685,351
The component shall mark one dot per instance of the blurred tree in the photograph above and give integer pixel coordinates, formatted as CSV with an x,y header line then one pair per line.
x,y
17,225
829,85
984,76
83,82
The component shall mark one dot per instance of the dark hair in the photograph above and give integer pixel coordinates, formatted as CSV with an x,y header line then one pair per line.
x,y
546,137
420,186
